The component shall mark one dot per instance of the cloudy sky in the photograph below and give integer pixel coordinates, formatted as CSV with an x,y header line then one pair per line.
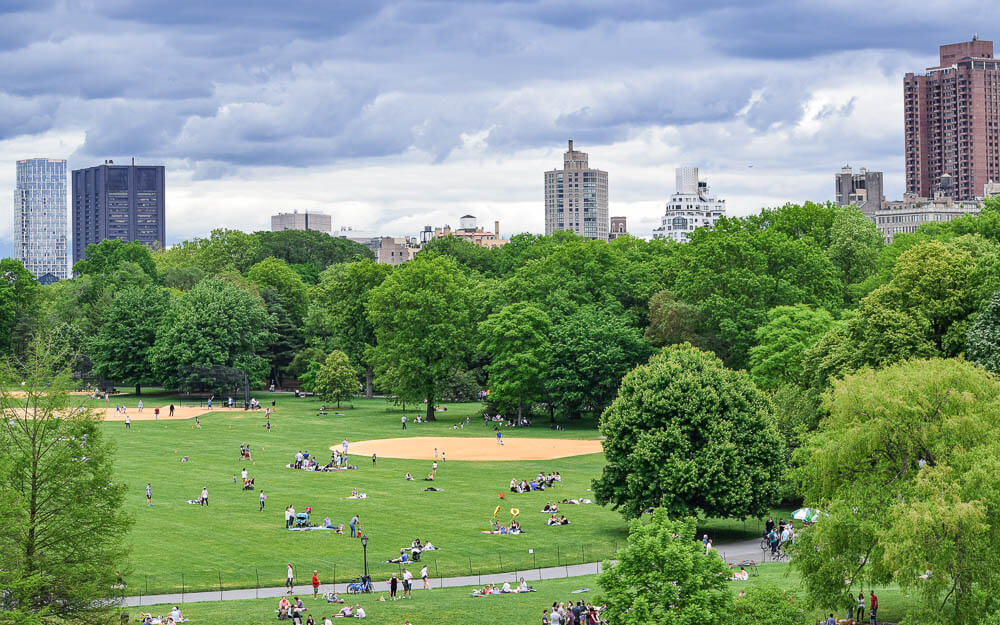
x,y
393,115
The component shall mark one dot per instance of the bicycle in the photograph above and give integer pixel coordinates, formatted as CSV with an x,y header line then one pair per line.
x,y
359,585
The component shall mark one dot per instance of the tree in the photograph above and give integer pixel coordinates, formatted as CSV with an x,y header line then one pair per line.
x,y
768,605
983,338
672,321
517,342
213,324
120,350
783,341
687,434
275,273
19,296
63,531
591,350
313,248
336,379
905,465
422,318
227,250
464,252
105,257
286,337
664,576
855,243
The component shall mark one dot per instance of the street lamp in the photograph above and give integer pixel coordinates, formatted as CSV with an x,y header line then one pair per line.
x,y
365,582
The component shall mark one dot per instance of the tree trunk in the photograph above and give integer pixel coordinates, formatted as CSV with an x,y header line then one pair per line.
x,y
368,382
552,413
430,409
338,403
138,391
520,407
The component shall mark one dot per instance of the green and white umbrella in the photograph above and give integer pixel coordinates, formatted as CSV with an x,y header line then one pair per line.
x,y
806,515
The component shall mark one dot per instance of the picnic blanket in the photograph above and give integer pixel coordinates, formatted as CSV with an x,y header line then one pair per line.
x,y
309,529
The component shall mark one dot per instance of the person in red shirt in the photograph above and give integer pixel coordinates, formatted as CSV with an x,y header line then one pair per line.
x,y
872,607
315,585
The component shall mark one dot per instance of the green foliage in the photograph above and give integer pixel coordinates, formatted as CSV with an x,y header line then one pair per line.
x,y
107,256
663,576
311,250
466,253
672,322
215,323
905,465
62,528
19,298
591,350
286,337
336,378
422,318
687,434
768,605
516,338
121,349
855,244
286,282
782,342
983,338
226,250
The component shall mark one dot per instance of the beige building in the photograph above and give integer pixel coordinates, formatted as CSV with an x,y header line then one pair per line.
x,y
576,197
911,213
301,221
396,250
467,230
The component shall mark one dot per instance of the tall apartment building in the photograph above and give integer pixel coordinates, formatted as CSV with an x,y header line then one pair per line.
x,y
691,206
301,221
952,121
862,189
123,202
576,197
39,218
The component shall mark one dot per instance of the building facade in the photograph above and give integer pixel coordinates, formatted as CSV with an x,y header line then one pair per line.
x,y
951,115
396,250
302,221
691,206
468,231
618,228
576,197
124,202
39,218
913,211
862,189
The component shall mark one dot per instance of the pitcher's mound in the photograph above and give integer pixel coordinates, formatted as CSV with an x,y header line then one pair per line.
x,y
455,448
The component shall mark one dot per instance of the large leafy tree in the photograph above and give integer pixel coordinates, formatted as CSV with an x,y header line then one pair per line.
x,y
105,257
275,273
591,350
227,250
672,321
664,576
215,323
286,337
687,434
782,342
19,298
905,465
423,322
121,349
855,244
516,339
336,378
477,257
309,248
983,338
63,531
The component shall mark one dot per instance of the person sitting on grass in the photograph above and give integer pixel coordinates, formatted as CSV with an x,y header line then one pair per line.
x,y
408,477
428,546
515,527
563,520
345,612
552,520
333,598
506,588
283,609
359,612
523,586
741,575
550,507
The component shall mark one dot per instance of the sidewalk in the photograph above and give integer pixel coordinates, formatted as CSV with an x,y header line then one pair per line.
x,y
303,590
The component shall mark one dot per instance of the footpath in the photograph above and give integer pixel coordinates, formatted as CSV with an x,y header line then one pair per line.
x,y
731,552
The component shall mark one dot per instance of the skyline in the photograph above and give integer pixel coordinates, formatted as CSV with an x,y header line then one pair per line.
x,y
368,114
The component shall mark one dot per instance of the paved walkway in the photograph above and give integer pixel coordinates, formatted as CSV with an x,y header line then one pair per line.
x,y
731,552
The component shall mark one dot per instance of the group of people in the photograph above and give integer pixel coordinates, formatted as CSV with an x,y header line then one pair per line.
x,y
247,480
499,528
562,520
245,452
174,617
293,610
493,589
539,482
569,613
498,421
778,535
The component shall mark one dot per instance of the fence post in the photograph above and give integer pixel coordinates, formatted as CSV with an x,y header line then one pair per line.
x,y
437,573
557,556
583,554
334,577
147,583
220,585
256,592
470,566
501,562
182,586
533,565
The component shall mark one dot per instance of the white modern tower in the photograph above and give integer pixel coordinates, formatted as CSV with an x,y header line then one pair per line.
x,y
40,216
691,206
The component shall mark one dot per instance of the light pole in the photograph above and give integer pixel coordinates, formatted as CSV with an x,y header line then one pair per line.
x,y
364,546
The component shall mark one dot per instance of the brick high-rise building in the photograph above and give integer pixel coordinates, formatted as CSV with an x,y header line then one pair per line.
x,y
952,121
576,197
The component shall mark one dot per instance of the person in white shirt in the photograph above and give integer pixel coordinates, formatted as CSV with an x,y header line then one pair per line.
x,y
407,584
359,612
176,615
291,575
327,621
204,495
423,574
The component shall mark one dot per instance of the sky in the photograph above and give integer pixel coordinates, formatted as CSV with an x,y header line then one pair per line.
x,y
395,115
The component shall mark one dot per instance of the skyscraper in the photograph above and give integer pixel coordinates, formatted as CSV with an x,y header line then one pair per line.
x,y
691,206
576,197
862,189
952,121
123,202
39,220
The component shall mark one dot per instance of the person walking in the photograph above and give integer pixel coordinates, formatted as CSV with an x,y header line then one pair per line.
x,y
404,422
407,584
197,423
423,574
434,468
499,437
354,526
171,410
128,422
315,584
210,403
140,406
861,608
393,584
344,445
873,608
290,572
263,498
373,461
149,494
156,413
204,495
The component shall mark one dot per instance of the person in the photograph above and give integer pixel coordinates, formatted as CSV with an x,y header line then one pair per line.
x,y
435,453
769,525
423,574
708,547
359,612
315,582
176,615
267,426
209,403
408,476
373,461
204,495
290,572
128,422
156,413
171,411
443,459
263,498
404,422
434,468
393,583
288,517
344,445
505,588
327,621
310,621
346,611
873,608
149,494
861,607
354,526
140,405
407,584
197,423
283,606
499,437
545,617
830,621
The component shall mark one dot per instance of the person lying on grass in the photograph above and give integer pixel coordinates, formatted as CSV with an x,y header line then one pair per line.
x,y
403,558
550,507
356,495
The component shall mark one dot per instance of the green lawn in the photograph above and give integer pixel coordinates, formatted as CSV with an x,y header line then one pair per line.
x,y
453,606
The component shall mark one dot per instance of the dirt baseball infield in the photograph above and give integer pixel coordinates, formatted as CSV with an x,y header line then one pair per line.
x,y
180,412
456,448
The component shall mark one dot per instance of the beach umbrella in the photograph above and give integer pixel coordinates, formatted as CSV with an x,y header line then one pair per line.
x,y
806,515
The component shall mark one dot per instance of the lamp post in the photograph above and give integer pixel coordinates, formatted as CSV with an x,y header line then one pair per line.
x,y
364,547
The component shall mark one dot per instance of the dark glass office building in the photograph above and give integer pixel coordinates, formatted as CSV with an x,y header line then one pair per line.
x,y
118,202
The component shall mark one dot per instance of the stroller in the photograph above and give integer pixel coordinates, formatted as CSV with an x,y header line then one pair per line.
x,y
302,519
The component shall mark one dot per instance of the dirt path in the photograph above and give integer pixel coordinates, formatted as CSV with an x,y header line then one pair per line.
x,y
457,448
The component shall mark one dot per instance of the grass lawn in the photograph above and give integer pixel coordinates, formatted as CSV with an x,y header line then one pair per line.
x,y
453,606
177,545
